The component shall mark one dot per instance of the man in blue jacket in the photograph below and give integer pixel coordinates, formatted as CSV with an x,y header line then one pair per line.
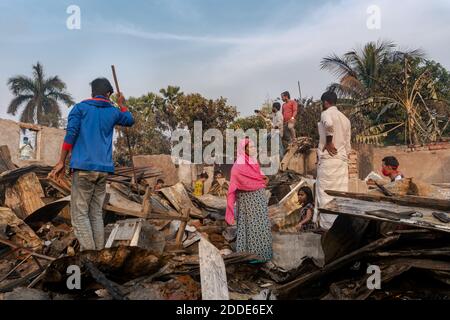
x,y
89,137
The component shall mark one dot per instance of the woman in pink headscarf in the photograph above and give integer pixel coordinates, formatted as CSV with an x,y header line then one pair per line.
x,y
247,191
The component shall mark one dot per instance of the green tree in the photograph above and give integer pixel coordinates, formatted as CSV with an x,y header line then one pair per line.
x,y
392,96
251,122
40,96
158,114
359,72
145,136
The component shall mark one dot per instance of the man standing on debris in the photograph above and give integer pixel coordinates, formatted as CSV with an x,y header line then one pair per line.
x,y
334,147
277,124
89,138
289,110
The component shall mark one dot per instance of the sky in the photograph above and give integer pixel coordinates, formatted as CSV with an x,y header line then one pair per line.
x,y
244,50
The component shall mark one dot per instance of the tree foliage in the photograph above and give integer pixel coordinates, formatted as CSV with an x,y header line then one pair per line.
x,y
394,96
40,97
157,115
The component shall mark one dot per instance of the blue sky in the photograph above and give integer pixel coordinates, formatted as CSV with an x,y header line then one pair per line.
x,y
244,50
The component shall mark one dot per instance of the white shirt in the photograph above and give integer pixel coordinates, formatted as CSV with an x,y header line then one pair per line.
x,y
335,123
277,120
26,152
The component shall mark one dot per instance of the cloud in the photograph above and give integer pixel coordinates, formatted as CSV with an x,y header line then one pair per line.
x,y
266,60
212,40
249,68
248,71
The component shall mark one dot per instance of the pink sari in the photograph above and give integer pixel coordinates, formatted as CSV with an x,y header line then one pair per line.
x,y
246,175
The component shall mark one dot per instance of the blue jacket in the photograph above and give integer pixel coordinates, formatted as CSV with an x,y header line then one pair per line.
x,y
90,131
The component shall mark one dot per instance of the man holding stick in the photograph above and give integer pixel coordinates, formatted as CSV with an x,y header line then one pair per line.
x,y
89,136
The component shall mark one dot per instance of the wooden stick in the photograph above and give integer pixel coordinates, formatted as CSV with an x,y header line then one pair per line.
x,y
116,82
182,228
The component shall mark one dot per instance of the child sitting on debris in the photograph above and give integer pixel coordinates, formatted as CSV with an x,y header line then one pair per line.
x,y
301,219
306,200
220,185
200,184
159,185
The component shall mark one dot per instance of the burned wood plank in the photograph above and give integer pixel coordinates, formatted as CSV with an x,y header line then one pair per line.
x,y
140,214
26,250
179,198
358,290
113,288
62,184
19,282
413,252
23,236
427,264
289,290
411,201
25,196
11,176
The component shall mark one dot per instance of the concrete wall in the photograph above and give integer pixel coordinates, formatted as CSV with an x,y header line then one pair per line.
x,y
429,163
48,142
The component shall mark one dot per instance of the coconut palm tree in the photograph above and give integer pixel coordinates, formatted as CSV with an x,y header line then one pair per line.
x,y
359,72
40,97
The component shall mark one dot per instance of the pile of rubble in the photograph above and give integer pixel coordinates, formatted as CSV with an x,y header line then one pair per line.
x,y
153,237
169,244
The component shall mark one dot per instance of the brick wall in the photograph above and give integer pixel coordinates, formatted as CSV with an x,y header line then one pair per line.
x,y
429,163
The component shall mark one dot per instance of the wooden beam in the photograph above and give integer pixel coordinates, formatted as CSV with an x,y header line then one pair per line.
x,y
182,228
140,214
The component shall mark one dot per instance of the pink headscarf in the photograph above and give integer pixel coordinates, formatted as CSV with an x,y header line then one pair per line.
x,y
246,175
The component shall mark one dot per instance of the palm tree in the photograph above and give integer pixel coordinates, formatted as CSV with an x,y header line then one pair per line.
x,y
359,72
40,96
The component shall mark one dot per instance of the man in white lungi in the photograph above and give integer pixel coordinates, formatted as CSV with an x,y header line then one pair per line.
x,y
332,154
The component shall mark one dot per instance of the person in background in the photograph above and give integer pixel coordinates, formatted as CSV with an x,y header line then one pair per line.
x,y
199,185
89,139
300,220
389,168
290,109
26,151
278,124
306,200
220,185
159,185
332,154
247,191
